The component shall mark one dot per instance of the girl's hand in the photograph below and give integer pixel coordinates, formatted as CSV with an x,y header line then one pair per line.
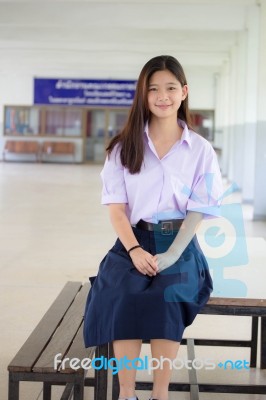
x,y
144,262
165,260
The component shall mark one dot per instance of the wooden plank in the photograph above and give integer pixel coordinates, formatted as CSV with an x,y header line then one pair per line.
x,y
235,306
239,302
77,350
33,347
234,310
64,335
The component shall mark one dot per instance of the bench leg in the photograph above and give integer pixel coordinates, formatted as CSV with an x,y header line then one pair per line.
x,y
68,392
100,391
193,382
13,388
115,382
115,389
79,391
47,391
263,343
254,342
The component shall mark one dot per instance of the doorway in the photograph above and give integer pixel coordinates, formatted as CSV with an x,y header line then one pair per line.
x,y
101,126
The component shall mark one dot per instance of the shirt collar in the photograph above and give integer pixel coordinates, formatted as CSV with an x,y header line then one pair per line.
x,y
146,130
185,135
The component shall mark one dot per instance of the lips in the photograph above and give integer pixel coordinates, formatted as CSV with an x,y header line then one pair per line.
x,y
163,106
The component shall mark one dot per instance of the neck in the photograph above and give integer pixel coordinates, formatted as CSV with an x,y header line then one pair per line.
x,y
164,128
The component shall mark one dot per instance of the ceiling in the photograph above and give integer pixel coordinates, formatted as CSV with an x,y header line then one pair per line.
x,y
115,38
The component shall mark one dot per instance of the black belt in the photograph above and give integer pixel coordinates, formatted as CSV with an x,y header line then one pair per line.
x,y
164,227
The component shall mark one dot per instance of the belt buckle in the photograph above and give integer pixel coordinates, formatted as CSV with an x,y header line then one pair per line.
x,y
167,228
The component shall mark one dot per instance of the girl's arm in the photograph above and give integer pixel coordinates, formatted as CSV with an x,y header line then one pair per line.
x,y
142,260
184,236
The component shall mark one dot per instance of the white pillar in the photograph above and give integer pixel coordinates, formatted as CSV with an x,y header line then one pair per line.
x,y
223,122
239,109
260,163
232,112
221,117
251,86
236,103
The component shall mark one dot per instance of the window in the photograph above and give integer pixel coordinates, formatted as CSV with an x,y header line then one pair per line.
x,y
203,123
22,120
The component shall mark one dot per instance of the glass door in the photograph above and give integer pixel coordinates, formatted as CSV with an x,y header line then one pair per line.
x,y
95,135
116,121
101,126
63,121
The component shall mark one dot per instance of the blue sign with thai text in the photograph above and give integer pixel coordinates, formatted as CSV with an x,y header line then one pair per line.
x,y
83,92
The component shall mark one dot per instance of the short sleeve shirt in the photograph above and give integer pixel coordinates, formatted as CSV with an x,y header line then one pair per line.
x,y
187,178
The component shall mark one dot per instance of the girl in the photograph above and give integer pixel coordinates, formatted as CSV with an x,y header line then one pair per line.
x,y
159,180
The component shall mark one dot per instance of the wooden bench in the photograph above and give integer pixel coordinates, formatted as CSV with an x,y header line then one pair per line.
x,y
46,149
58,148
21,147
60,331
255,308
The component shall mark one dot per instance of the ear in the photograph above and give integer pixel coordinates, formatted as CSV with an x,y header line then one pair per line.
x,y
184,92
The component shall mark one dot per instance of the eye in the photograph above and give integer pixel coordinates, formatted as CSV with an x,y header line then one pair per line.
x,y
152,89
172,88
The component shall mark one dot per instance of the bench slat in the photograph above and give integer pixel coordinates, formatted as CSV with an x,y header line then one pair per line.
x,y
78,350
63,337
234,301
235,306
32,348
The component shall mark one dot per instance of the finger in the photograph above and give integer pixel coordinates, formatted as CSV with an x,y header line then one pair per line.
x,y
151,267
147,267
152,263
155,260
151,270
146,270
142,271
150,259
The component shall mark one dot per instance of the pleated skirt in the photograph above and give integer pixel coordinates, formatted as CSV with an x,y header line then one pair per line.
x,y
125,304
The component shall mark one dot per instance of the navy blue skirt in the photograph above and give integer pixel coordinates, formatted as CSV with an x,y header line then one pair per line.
x,y
125,304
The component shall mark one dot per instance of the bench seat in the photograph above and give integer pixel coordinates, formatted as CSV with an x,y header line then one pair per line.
x,y
58,148
21,147
42,151
60,331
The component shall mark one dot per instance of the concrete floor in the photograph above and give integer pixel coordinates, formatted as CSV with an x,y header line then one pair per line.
x,y
52,228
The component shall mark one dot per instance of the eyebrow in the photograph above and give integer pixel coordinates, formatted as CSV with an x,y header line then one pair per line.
x,y
168,83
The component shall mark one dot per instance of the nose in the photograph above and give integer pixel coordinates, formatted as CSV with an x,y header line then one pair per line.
x,y
162,95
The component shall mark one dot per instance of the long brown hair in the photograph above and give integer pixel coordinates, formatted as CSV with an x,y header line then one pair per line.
x,y
131,136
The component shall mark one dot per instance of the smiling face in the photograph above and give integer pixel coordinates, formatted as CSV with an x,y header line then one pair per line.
x,y
165,94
